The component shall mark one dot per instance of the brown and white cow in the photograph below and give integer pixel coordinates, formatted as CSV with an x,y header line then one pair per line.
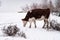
x,y
41,14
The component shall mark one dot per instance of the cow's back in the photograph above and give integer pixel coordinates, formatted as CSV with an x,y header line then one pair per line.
x,y
37,13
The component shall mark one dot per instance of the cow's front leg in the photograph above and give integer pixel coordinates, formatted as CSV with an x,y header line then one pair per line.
x,y
48,25
30,21
35,23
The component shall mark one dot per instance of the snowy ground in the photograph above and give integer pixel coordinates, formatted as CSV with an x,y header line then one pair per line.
x,y
31,33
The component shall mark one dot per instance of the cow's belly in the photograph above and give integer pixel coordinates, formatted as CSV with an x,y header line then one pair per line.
x,y
41,18
33,18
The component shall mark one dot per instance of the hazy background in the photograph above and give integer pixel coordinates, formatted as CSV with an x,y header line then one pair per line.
x,y
16,5
9,9
9,15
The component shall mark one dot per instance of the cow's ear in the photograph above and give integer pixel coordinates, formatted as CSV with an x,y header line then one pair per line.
x,y
30,11
22,19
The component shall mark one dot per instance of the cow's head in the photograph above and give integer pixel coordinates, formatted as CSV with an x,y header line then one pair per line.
x,y
26,19
24,22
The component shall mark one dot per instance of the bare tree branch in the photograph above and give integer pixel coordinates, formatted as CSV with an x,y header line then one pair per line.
x,y
40,6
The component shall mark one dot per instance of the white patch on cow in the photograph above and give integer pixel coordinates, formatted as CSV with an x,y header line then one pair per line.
x,y
31,19
42,18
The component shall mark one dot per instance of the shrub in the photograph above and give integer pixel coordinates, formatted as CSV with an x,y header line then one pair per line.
x,y
11,30
55,25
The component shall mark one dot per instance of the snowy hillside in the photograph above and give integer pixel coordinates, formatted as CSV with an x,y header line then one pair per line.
x,y
9,16
31,33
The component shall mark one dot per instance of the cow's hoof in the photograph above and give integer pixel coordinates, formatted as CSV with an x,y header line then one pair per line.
x,y
29,27
48,27
35,26
43,27
24,26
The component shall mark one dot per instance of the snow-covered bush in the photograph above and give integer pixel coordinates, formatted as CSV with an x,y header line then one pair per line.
x,y
55,25
11,30
22,34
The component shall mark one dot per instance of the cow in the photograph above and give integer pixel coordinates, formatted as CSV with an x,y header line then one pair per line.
x,y
33,15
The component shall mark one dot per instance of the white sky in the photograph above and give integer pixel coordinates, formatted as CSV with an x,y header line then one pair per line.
x,y
15,5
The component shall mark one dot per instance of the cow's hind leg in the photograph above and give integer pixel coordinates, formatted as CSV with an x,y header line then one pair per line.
x,y
35,23
30,21
46,24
